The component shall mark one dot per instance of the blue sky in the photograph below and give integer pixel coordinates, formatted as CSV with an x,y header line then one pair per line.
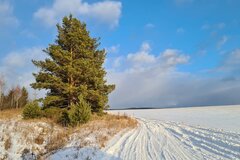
x,y
178,52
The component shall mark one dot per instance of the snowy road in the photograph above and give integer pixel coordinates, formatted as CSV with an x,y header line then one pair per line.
x,y
155,139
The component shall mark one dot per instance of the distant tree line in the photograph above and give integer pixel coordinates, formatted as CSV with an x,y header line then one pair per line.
x,y
16,97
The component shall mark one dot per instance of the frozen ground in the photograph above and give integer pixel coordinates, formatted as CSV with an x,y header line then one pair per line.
x,y
182,134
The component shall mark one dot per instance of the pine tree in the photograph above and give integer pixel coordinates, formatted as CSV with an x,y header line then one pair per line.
x,y
74,67
64,120
31,110
80,112
23,100
9,99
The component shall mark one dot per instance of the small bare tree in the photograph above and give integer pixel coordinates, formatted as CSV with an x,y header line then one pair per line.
x,y
2,84
16,95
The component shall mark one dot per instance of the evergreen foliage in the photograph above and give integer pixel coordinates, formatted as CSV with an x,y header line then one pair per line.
x,y
74,67
64,119
32,110
23,100
80,112
53,113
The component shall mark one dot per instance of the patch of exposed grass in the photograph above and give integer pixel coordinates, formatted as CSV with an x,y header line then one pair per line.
x,y
10,113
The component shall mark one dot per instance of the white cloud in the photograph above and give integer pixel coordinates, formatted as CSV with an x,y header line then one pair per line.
x,y
149,25
205,26
217,26
221,25
107,12
231,63
180,30
22,58
28,34
117,62
142,57
6,14
222,41
215,38
181,2
17,67
113,49
173,57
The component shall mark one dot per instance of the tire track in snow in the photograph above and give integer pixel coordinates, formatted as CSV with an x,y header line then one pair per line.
x,y
154,139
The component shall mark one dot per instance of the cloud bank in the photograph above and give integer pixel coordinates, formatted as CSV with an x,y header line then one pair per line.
x,y
155,81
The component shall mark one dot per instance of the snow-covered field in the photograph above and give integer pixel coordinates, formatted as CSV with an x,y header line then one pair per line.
x,y
220,117
183,133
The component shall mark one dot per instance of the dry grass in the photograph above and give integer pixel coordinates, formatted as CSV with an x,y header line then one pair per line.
x,y
103,127
108,124
51,136
56,141
109,121
42,119
7,144
10,113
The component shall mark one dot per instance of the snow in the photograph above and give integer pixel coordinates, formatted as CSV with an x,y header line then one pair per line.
x,y
197,133
182,133
155,139
21,136
86,153
220,117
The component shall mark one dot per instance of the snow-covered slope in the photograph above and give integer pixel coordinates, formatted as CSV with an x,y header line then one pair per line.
x,y
166,134
38,138
22,138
